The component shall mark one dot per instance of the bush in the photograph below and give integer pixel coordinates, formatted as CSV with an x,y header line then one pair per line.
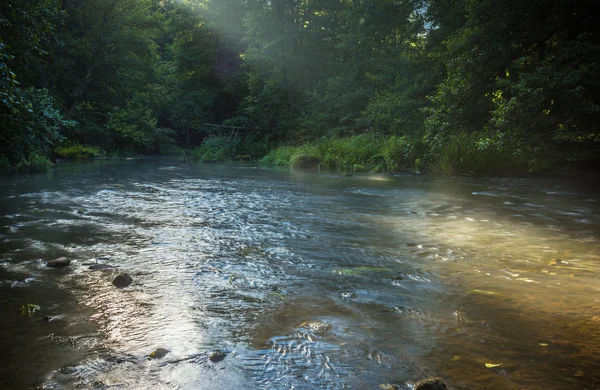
x,y
364,152
305,161
230,148
169,149
217,148
78,152
402,152
5,164
474,154
280,156
35,163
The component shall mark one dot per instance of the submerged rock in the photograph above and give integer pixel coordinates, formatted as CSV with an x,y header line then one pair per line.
x,y
158,353
315,326
122,280
100,267
59,263
217,356
430,384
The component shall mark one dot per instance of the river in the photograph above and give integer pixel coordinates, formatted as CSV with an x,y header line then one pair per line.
x,y
304,280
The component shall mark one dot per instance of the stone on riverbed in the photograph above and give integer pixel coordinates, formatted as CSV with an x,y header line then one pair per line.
x,y
100,267
59,263
430,384
122,280
315,326
217,356
158,353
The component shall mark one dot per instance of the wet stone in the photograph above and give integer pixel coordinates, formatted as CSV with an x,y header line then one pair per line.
x,y
315,326
59,263
100,267
217,356
122,280
158,353
430,384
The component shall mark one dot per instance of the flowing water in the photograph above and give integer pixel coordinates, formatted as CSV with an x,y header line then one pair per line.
x,y
305,280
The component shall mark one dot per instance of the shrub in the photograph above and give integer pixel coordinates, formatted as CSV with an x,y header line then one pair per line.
x,y
475,154
305,161
5,164
402,152
78,152
217,148
35,163
280,156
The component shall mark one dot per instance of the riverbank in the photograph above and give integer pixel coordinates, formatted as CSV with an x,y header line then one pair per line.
x,y
460,155
464,154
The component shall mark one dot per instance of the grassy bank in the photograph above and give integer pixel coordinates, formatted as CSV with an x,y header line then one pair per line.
x,y
463,154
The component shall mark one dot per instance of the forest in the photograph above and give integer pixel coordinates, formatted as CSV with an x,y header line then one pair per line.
x,y
476,87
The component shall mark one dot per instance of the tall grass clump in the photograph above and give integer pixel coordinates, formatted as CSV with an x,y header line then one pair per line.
x,y
478,154
401,153
364,152
35,163
217,148
78,152
280,156
228,148
353,154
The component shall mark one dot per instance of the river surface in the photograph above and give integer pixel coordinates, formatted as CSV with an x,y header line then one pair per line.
x,y
305,280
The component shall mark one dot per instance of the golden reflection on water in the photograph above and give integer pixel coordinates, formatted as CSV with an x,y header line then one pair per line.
x,y
527,297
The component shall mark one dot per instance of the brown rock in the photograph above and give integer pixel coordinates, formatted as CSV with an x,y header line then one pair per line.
x,y
122,280
217,356
158,353
59,263
430,384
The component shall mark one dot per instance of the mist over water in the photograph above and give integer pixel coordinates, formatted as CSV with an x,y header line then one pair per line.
x,y
304,279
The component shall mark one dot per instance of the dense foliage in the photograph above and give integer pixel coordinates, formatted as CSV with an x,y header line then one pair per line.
x,y
448,86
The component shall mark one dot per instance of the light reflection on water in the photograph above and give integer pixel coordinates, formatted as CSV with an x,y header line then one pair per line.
x,y
305,280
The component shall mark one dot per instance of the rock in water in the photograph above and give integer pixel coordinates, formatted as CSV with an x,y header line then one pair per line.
x,y
122,280
158,353
430,384
217,356
100,267
59,263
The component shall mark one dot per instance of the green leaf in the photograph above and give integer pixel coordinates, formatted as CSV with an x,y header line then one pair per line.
x,y
482,292
28,309
492,365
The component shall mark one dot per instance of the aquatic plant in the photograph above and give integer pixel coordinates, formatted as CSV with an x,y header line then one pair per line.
x,y
28,309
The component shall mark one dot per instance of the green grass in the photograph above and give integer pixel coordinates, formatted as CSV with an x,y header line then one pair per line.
x,y
35,163
462,154
78,152
359,153
472,154
227,148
